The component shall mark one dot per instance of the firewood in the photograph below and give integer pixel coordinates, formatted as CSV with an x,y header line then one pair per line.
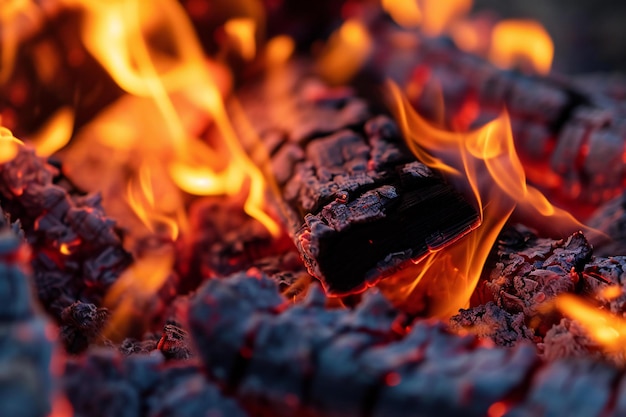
x,y
281,360
77,252
26,349
356,202
572,127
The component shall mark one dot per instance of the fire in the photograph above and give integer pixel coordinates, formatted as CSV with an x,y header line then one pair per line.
x,y
484,164
9,145
242,31
404,12
433,16
346,52
605,328
55,134
525,42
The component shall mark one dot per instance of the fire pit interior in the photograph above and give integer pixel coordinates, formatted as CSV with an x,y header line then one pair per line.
x,y
368,208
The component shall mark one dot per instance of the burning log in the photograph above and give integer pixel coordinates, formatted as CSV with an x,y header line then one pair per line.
x,y
356,202
25,383
572,129
283,361
78,254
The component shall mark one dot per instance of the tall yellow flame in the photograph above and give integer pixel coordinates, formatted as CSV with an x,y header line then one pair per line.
x,y
484,164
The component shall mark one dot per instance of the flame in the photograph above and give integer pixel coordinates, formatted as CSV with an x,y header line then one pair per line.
x,y
241,30
404,12
521,41
483,163
119,34
9,145
605,328
438,15
346,52
55,134
278,50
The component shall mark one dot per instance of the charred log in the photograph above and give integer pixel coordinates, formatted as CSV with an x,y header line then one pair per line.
x,y
282,361
356,202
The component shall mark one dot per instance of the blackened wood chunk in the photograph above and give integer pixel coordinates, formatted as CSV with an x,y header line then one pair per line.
x,y
356,202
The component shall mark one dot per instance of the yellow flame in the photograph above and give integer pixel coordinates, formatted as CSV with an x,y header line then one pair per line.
x,y
611,292
404,12
485,165
116,33
242,30
346,52
9,145
515,42
278,50
437,15
605,328
55,134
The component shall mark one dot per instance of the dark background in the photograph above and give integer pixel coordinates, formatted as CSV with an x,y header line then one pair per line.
x,y
588,35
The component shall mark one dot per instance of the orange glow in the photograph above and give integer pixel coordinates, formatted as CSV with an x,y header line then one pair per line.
x,y
404,12
483,163
521,42
278,50
65,249
437,15
346,52
605,328
133,292
118,34
241,31
611,292
55,134
9,145
61,406
497,409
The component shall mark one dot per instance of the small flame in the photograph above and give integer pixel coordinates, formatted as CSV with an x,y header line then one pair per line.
x,y
404,12
346,52
484,164
9,145
605,328
438,15
55,134
242,30
278,50
525,42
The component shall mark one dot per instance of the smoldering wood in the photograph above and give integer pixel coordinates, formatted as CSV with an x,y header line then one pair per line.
x,y
573,127
282,360
78,252
356,202
25,347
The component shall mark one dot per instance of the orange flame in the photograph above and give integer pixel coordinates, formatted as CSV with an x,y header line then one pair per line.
x,y
55,134
9,145
438,14
116,33
404,12
603,327
485,165
521,42
241,30
346,52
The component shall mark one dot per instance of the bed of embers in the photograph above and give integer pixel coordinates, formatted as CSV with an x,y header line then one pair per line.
x,y
280,209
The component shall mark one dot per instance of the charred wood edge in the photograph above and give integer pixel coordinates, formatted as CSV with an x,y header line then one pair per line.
x,y
356,202
93,255
25,348
559,122
281,360
103,382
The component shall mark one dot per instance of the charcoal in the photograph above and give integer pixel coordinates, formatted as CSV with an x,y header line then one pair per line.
x,y
78,254
25,345
488,321
82,325
610,219
568,339
103,383
355,201
174,342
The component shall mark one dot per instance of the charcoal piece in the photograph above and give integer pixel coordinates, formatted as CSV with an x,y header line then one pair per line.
x,y
78,254
82,324
492,322
610,218
577,388
601,273
530,271
25,346
103,383
174,342
357,204
568,339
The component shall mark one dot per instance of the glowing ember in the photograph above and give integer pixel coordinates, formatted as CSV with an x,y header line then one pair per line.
x,y
522,43
405,12
485,164
241,31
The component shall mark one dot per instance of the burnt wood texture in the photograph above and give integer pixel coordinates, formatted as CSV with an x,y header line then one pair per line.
x,y
282,360
356,202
